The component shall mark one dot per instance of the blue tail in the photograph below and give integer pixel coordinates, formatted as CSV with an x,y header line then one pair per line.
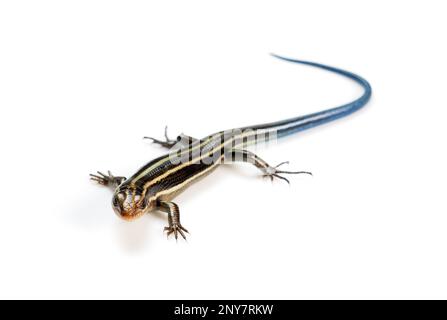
x,y
293,125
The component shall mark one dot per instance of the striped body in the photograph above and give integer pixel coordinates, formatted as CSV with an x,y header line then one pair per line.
x,y
163,179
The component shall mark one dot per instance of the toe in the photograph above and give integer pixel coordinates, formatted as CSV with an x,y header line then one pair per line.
x,y
181,233
181,227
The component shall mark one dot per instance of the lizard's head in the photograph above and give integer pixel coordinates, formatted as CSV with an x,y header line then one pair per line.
x,y
128,203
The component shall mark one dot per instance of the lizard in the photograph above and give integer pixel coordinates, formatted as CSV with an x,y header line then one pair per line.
x,y
154,185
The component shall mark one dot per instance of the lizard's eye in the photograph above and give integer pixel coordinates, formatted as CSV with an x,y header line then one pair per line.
x,y
121,197
118,200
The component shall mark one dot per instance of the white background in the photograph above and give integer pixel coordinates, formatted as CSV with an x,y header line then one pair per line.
x,y
81,82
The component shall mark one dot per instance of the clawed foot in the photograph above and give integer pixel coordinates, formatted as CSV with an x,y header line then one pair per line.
x,y
176,229
168,143
273,172
107,180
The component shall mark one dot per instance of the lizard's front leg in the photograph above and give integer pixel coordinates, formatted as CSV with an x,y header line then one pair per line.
x,y
181,141
107,180
173,212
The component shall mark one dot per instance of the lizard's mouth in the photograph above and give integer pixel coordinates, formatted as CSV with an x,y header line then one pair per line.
x,y
128,214
131,215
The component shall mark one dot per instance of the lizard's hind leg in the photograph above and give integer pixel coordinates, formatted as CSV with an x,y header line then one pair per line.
x,y
268,171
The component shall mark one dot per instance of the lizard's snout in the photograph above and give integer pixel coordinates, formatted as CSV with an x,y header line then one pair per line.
x,y
126,205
